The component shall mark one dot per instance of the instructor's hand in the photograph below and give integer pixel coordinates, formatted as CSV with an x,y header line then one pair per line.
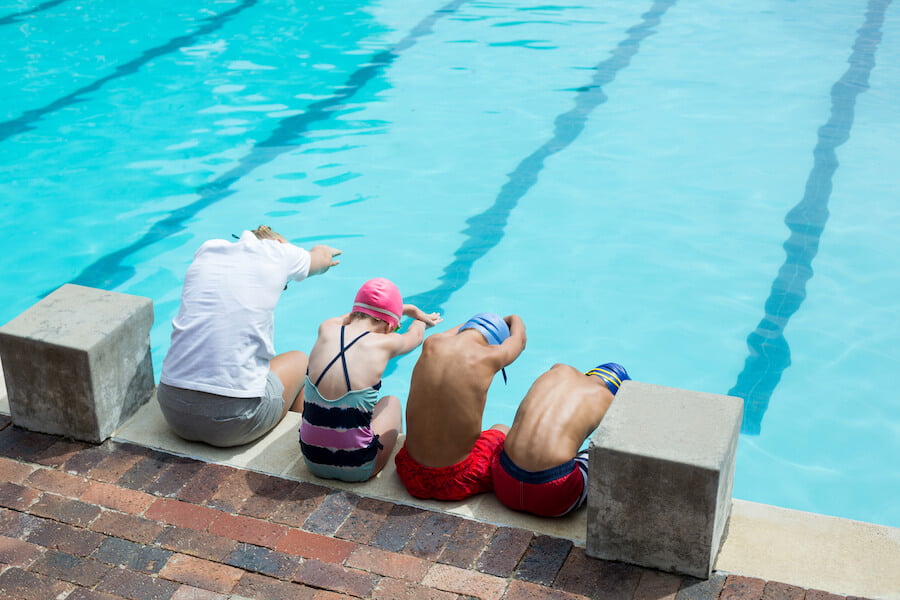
x,y
322,258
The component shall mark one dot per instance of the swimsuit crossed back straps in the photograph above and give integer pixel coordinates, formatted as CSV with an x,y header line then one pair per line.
x,y
342,354
336,435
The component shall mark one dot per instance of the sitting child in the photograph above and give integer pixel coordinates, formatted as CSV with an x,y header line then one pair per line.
x,y
347,433
540,469
447,456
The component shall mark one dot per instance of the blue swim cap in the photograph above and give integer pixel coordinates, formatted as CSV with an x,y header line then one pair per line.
x,y
612,375
492,327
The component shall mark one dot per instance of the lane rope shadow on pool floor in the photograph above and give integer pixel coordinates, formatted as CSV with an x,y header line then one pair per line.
x,y
487,229
15,17
109,270
770,353
25,121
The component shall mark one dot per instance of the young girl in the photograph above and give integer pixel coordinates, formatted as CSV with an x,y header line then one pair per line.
x,y
347,432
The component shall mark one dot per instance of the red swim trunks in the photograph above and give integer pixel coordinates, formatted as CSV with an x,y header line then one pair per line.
x,y
468,477
549,493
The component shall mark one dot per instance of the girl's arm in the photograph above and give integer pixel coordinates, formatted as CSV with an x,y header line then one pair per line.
x,y
415,335
413,311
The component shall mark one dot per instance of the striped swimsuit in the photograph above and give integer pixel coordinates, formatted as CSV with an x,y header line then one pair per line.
x,y
336,435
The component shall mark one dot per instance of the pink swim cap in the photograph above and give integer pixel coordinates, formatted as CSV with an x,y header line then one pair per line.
x,y
381,299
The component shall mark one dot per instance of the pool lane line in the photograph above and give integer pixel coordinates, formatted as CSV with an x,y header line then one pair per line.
x,y
14,17
486,229
770,354
290,132
108,271
24,122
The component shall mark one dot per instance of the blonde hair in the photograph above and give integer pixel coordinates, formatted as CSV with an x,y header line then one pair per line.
x,y
356,315
264,232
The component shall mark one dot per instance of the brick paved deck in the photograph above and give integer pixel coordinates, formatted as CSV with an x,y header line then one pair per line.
x,y
117,520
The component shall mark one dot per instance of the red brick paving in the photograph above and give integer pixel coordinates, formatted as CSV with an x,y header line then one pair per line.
x,y
389,564
201,573
116,521
57,482
313,545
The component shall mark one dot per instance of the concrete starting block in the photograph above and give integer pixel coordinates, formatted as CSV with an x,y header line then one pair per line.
x,y
660,478
78,363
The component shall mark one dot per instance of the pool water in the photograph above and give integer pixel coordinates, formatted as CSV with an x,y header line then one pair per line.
x,y
703,191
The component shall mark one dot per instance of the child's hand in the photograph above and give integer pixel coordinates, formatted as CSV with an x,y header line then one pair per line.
x,y
431,320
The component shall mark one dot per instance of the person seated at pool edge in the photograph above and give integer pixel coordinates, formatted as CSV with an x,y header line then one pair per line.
x,y
221,381
446,455
347,432
540,469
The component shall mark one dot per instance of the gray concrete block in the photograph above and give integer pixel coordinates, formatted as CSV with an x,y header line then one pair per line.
x,y
78,363
4,404
660,478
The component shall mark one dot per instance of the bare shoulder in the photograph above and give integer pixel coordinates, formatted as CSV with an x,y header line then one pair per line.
x,y
560,371
331,323
562,383
441,343
392,344
440,337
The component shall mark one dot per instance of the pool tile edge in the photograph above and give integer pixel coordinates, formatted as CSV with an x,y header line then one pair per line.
x,y
814,551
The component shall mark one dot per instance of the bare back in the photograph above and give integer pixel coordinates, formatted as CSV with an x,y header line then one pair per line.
x,y
447,395
560,410
366,358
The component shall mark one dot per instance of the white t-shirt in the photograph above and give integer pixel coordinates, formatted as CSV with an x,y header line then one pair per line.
x,y
223,336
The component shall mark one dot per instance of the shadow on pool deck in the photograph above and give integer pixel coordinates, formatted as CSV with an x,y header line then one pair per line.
x,y
147,515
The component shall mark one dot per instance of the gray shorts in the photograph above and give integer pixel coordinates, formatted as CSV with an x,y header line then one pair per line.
x,y
221,420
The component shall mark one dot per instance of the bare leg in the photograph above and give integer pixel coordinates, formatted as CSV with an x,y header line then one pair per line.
x,y
501,427
386,424
291,370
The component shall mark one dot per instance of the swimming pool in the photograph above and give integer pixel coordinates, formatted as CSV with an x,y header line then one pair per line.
x,y
699,190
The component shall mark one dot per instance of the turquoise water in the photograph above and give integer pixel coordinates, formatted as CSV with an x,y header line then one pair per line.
x,y
703,191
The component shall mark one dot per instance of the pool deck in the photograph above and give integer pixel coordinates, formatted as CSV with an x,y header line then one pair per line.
x,y
146,515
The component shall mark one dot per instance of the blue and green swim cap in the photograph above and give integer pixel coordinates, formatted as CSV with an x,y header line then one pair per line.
x,y
612,374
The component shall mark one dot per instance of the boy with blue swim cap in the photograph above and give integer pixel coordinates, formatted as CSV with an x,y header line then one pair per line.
x,y
447,456
540,470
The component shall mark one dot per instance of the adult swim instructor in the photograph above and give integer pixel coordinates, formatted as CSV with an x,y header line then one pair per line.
x,y
221,381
